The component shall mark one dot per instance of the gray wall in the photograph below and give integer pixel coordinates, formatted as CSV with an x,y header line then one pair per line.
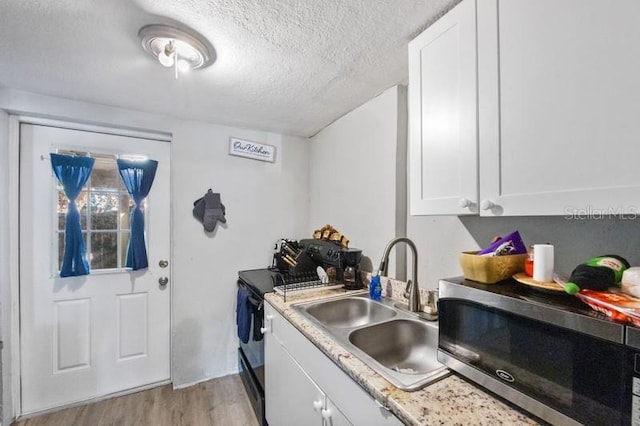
x,y
264,202
358,175
440,239
574,240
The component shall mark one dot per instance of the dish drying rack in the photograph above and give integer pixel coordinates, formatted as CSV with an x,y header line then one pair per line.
x,y
295,283
296,272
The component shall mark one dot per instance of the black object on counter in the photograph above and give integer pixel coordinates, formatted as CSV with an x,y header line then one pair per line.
x,y
598,273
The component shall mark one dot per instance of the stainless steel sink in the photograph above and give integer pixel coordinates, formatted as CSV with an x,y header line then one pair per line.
x,y
349,312
406,346
395,343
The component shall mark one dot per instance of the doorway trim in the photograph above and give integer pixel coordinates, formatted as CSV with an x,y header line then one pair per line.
x,y
13,409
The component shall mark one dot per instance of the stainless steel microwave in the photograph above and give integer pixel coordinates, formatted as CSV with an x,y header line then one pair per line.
x,y
546,352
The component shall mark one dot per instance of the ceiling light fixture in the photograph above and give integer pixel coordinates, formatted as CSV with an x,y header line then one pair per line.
x,y
173,47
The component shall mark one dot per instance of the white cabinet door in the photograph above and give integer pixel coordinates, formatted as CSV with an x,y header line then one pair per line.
x,y
558,92
332,416
292,397
443,115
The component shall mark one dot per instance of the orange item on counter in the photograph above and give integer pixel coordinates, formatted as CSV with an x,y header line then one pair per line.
x,y
528,264
617,306
528,267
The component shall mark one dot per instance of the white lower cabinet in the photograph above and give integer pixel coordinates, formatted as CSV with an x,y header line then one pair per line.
x,y
293,397
304,387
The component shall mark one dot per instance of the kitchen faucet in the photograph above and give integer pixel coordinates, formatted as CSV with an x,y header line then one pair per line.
x,y
412,291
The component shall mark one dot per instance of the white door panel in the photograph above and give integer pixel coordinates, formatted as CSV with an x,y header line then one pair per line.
x,y
88,336
443,142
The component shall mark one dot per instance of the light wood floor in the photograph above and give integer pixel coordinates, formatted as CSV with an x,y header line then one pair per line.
x,y
220,401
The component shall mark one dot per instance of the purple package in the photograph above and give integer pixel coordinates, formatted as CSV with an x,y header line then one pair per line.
x,y
509,244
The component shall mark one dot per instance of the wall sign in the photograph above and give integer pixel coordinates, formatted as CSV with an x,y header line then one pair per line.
x,y
253,150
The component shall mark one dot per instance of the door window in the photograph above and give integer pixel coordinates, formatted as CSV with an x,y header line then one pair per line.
x,y
105,208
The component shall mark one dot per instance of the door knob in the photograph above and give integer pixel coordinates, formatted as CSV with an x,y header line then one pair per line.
x,y
163,263
163,281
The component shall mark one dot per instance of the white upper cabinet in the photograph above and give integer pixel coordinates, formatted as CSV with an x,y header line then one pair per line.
x,y
443,115
557,106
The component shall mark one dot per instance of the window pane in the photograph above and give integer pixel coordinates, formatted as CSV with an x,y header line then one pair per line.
x,y
124,244
73,152
81,203
62,210
105,176
104,249
104,210
126,205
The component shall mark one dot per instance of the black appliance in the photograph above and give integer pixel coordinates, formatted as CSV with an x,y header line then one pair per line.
x,y
351,263
335,259
251,354
548,353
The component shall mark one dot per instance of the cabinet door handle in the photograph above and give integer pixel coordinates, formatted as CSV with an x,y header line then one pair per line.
x,y
268,319
326,414
465,202
317,406
487,205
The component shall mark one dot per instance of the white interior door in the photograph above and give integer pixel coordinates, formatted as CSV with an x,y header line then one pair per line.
x,y
93,335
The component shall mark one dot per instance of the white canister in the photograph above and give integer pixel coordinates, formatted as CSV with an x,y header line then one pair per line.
x,y
543,262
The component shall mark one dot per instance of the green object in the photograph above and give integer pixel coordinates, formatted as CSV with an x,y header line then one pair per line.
x,y
598,273
615,263
571,288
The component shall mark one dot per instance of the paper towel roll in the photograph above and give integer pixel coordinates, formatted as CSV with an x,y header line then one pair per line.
x,y
543,262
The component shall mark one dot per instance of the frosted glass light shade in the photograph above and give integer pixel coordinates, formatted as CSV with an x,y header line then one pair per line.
x,y
190,47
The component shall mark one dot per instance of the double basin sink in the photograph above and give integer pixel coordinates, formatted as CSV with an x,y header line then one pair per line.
x,y
394,343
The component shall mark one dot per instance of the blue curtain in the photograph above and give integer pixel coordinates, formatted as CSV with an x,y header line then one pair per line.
x,y
72,173
137,177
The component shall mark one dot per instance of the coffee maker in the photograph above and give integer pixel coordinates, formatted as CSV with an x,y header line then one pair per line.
x,y
351,263
341,264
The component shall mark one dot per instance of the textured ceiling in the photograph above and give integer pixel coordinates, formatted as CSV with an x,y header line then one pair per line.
x,y
282,65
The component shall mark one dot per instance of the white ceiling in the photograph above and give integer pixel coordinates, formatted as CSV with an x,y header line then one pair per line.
x,y
289,66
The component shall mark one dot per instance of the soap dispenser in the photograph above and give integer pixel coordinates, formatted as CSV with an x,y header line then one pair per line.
x,y
375,288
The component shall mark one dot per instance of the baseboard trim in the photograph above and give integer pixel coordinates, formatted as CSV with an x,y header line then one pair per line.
x,y
92,400
205,379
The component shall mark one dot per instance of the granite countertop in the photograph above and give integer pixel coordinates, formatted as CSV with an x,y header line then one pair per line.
x,y
450,401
